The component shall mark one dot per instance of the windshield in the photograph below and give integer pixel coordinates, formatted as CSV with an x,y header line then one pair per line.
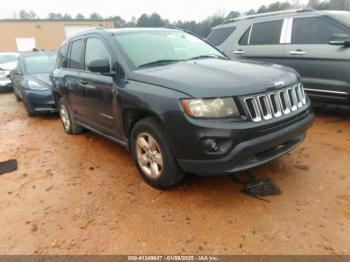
x,y
343,18
143,48
37,64
7,58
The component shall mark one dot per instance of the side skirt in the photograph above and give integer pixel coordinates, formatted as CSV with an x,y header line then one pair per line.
x,y
119,141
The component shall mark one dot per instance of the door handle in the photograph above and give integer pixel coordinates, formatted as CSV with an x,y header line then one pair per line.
x,y
83,82
239,52
297,52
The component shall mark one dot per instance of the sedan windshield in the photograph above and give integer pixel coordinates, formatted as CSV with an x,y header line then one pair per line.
x,y
7,58
163,47
43,63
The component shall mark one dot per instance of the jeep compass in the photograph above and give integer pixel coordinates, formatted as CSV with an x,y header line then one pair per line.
x,y
178,104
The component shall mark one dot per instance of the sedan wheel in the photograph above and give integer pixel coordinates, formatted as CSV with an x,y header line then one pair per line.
x,y
149,156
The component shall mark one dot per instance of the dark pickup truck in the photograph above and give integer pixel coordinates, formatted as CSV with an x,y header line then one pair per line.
x,y
177,103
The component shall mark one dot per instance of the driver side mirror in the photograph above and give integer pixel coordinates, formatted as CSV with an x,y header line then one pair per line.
x,y
340,39
100,66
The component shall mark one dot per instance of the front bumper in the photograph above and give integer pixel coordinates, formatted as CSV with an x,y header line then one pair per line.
x,y
39,101
245,145
5,84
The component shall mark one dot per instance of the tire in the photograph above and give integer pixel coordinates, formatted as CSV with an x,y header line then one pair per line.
x,y
18,99
157,153
29,110
67,119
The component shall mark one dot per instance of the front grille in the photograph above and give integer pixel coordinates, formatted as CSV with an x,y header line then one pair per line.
x,y
275,103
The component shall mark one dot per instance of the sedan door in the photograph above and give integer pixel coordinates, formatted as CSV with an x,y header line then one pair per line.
x,y
261,41
325,68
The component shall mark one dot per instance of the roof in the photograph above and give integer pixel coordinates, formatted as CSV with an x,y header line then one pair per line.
x,y
284,12
124,30
139,29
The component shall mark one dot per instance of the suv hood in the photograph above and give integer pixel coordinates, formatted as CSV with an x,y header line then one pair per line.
x,y
215,77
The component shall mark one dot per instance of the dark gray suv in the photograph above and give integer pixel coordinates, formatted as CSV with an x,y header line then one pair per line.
x,y
178,104
315,43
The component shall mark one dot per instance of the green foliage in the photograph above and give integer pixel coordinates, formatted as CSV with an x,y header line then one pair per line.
x,y
201,28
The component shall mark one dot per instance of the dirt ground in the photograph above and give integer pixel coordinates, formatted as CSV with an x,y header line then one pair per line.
x,y
82,195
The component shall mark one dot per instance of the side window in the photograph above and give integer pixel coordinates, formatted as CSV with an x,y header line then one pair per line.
x,y
219,35
266,33
314,30
61,60
19,67
75,55
95,49
245,37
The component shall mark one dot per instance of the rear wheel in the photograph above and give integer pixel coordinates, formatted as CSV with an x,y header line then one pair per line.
x,y
152,155
69,124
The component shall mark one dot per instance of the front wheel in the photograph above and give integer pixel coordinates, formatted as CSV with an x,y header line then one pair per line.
x,y
153,156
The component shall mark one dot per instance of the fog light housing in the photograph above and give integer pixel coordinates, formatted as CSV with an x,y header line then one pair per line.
x,y
211,145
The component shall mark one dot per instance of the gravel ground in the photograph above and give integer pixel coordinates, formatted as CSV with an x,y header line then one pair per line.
x,y
82,195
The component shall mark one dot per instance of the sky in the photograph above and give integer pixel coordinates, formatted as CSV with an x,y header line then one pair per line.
x,y
169,9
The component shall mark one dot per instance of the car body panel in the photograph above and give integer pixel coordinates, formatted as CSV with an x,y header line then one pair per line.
x,y
111,104
324,68
39,101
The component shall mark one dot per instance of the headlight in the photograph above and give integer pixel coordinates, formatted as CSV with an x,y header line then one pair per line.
x,y
36,86
210,108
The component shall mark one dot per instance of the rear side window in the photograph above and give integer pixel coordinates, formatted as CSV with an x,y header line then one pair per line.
x,y
76,54
61,60
244,39
314,30
219,35
266,33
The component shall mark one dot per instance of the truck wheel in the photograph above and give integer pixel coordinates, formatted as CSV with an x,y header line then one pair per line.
x,y
152,155
69,124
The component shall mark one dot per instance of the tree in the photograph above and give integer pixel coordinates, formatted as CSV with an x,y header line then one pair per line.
x,y
118,21
67,17
95,16
154,20
55,16
233,14
23,14
251,12
79,17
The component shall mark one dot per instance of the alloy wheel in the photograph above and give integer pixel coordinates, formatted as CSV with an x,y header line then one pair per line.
x,y
149,156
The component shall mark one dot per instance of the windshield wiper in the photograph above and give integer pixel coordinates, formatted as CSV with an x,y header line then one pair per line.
x,y
208,56
160,62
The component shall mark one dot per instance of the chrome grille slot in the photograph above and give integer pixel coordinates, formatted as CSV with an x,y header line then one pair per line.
x,y
292,99
265,107
253,109
276,103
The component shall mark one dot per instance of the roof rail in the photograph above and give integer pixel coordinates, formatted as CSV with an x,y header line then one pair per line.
x,y
87,29
289,11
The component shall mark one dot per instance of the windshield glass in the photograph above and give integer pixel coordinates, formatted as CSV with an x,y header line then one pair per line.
x,y
144,48
43,63
7,58
343,18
